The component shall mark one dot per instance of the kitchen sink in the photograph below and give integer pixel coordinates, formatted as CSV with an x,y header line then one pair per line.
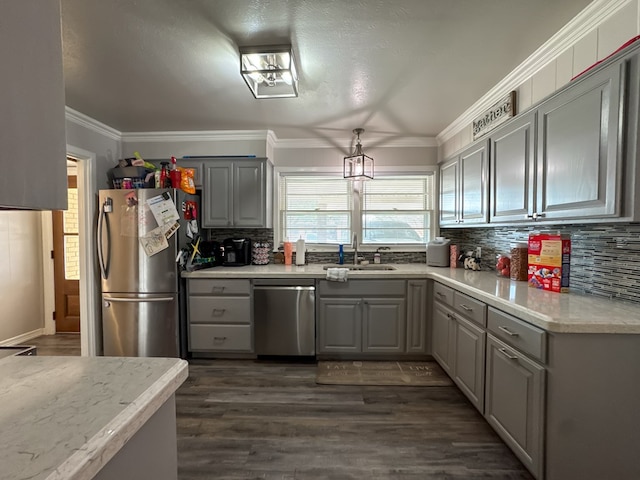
x,y
374,267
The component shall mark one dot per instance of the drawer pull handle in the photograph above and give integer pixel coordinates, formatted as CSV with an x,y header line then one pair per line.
x,y
465,308
218,289
507,331
217,312
440,294
219,339
506,354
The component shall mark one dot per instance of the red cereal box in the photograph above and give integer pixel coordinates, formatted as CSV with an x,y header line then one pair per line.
x,y
549,261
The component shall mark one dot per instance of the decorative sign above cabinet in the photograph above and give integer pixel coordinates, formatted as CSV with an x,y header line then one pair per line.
x,y
496,115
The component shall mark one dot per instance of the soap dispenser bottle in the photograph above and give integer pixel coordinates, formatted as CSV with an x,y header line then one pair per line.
x,y
341,255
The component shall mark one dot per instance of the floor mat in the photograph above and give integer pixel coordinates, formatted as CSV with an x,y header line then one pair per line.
x,y
415,374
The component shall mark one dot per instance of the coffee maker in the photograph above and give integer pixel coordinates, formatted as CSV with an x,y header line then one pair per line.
x,y
237,252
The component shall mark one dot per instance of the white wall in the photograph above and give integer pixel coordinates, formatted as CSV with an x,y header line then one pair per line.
x,y
21,275
22,288
597,43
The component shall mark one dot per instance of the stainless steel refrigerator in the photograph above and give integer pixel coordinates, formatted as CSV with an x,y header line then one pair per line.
x,y
141,284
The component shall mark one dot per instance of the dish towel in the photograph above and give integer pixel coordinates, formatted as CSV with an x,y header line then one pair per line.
x,y
337,274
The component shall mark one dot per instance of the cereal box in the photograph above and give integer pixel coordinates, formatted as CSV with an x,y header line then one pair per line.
x,y
549,261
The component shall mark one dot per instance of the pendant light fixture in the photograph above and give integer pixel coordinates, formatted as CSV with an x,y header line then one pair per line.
x,y
270,71
358,165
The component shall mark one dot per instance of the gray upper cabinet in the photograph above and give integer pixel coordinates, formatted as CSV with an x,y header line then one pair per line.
x,y
464,187
32,102
237,193
449,192
579,148
512,169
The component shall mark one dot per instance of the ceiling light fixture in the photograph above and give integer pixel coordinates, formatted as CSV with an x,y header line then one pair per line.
x,y
270,71
358,165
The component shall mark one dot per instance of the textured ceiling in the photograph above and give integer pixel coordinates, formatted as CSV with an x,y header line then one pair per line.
x,y
397,68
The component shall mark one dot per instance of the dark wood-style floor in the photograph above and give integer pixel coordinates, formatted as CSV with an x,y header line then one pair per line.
x,y
270,420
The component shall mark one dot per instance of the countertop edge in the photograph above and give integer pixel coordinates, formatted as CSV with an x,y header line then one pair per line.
x,y
87,461
538,318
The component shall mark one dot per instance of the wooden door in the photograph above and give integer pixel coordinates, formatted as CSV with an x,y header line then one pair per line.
x,y
66,263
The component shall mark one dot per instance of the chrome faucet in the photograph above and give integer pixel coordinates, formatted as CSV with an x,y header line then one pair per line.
x,y
355,249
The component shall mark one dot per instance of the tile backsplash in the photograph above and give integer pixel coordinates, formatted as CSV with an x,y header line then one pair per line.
x,y
605,258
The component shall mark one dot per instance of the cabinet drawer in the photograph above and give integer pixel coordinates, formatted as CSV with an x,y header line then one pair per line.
x,y
219,310
471,308
362,288
443,294
208,286
521,335
224,338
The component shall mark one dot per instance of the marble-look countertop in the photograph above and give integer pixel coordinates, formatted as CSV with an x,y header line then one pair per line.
x,y
66,417
554,312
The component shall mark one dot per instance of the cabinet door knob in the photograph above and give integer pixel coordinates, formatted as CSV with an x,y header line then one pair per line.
x,y
506,354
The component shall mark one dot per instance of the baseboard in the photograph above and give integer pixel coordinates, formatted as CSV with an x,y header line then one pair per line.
x,y
22,338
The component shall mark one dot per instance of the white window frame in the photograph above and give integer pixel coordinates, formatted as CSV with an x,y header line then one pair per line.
x,y
356,212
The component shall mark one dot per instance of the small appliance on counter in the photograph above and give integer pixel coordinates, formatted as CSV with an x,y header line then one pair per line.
x,y
237,252
438,252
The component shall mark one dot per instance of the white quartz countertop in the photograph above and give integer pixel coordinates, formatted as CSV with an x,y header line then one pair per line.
x,y
554,312
66,417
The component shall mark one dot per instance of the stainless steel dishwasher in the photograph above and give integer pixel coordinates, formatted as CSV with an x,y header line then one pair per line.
x,y
284,317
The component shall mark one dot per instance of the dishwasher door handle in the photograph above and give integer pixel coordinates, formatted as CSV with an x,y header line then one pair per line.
x,y
275,287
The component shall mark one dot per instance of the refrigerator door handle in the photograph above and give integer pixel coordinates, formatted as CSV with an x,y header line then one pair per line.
x,y
103,219
137,300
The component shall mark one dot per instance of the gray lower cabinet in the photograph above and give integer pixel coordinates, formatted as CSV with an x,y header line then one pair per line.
x,y
365,317
469,355
443,337
237,193
339,325
514,406
458,337
219,316
417,316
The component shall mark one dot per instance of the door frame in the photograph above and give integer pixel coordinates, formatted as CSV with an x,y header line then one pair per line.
x,y
90,325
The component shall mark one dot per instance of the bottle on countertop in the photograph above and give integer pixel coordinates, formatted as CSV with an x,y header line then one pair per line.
x,y
300,254
341,255
175,175
288,252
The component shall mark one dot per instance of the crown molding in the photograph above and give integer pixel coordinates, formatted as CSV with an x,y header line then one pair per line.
x,y
371,140
89,123
583,23
195,136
